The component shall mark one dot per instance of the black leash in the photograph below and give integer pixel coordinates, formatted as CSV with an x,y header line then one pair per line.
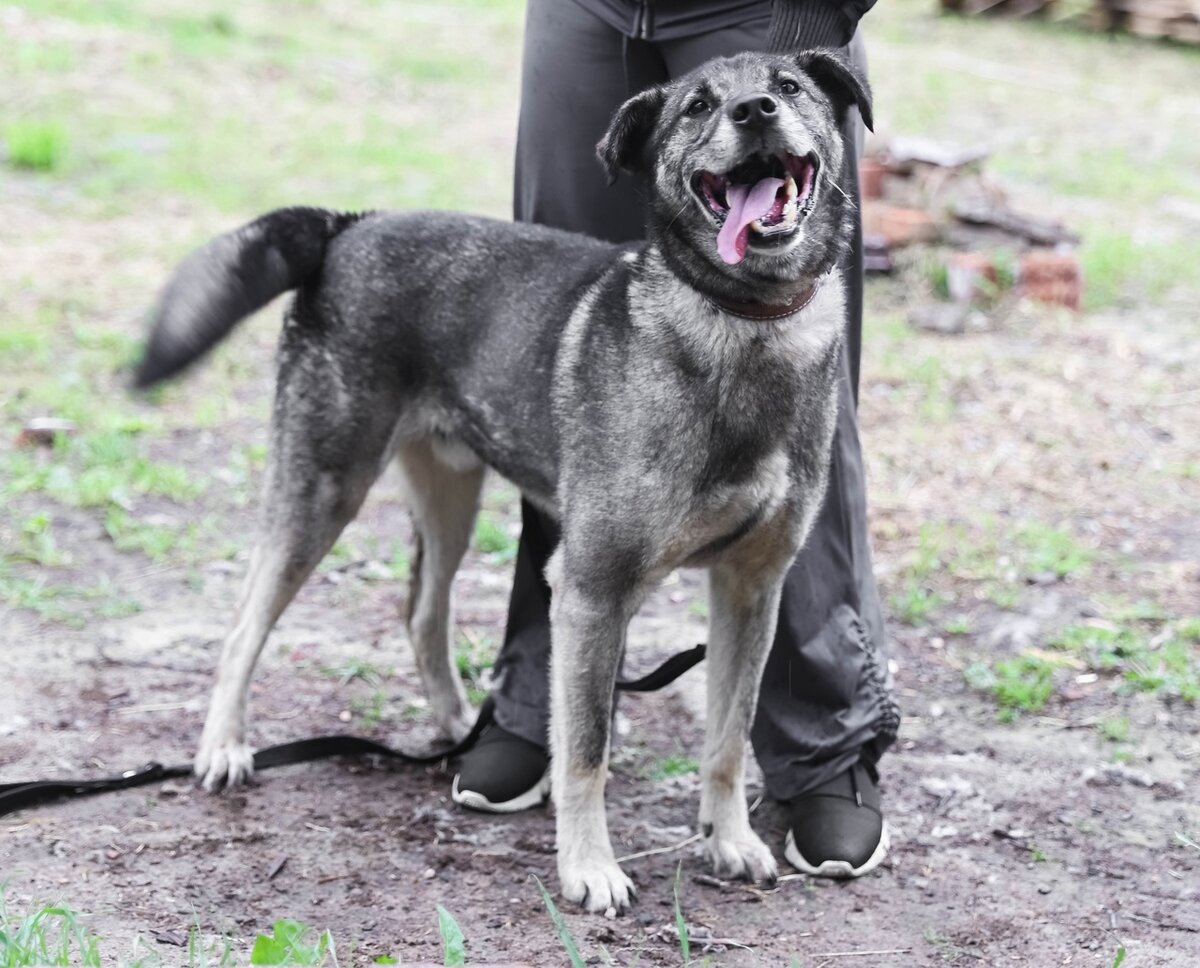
x,y
19,796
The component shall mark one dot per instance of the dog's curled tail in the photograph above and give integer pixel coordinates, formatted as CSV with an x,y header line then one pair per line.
x,y
231,277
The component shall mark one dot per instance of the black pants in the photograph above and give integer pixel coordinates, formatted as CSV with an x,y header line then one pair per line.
x,y
826,696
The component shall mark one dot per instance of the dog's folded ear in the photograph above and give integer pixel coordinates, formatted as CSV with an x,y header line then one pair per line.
x,y
840,80
623,147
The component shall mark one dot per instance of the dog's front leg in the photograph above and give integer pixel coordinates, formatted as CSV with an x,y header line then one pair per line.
x,y
743,605
588,634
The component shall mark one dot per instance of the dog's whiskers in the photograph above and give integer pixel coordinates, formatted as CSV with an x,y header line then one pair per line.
x,y
675,218
830,180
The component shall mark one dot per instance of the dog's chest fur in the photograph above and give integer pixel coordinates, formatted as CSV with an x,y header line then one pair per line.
x,y
705,419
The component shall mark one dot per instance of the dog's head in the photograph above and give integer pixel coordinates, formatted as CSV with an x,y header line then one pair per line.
x,y
745,157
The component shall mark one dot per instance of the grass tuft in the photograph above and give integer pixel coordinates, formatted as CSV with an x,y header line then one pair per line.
x,y
36,145
1023,684
492,539
52,935
289,944
685,944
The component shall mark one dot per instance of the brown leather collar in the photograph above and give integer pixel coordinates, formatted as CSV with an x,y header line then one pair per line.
x,y
765,311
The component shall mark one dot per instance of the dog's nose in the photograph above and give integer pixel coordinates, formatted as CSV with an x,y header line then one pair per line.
x,y
752,110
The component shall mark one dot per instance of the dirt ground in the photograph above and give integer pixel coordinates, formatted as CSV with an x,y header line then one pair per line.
x,y
1036,475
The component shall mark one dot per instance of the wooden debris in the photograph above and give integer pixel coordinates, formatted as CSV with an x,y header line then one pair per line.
x,y
1038,231
280,863
1177,20
904,153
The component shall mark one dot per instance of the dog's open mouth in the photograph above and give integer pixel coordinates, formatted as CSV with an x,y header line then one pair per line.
x,y
766,195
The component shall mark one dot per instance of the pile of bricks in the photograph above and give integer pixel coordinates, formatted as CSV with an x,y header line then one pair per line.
x,y
921,193
1177,20
1172,19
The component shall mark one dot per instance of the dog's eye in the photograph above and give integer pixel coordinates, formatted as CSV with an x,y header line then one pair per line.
x,y
788,86
698,106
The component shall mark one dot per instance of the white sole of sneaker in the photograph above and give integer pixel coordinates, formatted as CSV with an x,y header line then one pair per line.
x,y
837,868
535,796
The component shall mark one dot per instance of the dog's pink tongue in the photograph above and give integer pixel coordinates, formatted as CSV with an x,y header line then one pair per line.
x,y
745,205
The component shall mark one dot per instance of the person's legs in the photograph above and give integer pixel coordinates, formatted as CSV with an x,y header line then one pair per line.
x,y
576,71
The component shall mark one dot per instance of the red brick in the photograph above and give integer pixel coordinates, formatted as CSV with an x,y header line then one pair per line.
x,y
1052,277
903,226
871,172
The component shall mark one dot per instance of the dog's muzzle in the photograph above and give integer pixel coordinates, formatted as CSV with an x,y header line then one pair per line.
x,y
765,195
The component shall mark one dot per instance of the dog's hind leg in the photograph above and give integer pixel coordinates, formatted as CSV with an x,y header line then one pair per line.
x,y
744,605
443,485
322,464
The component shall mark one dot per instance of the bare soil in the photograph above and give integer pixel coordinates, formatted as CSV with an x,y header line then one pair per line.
x,y
1037,842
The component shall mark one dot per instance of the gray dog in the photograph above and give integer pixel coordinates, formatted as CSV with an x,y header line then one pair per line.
x,y
672,404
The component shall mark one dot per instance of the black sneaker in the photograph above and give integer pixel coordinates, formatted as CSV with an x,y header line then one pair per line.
x,y
502,773
837,829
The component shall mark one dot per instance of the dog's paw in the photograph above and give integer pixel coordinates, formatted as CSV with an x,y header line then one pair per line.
x,y
597,884
741,855
222,765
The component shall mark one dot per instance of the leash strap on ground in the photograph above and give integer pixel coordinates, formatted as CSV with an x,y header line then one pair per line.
x,y
19,796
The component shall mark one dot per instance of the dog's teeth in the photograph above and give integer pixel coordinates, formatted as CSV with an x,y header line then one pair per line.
x,y
789,184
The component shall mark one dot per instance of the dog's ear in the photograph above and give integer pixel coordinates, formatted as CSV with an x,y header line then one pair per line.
x,y
624,143
840,80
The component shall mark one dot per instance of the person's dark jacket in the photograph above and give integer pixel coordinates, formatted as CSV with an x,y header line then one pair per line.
x,y
795,24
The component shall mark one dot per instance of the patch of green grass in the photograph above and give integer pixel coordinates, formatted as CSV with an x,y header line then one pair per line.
x,y
40,596
981,550
38,58
69,605
1049,549
1166,663
454,946
371,711
943,945
361,669
51,935
914,604
930,377
292,943
474,655
1108,172
1115,729
1004,595
1021,684
37,542
156,541
1037,855
106,468
35,144
1118,268
20,341
675,764
492,538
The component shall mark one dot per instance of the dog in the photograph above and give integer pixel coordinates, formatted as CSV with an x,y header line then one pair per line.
x,y
670,404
